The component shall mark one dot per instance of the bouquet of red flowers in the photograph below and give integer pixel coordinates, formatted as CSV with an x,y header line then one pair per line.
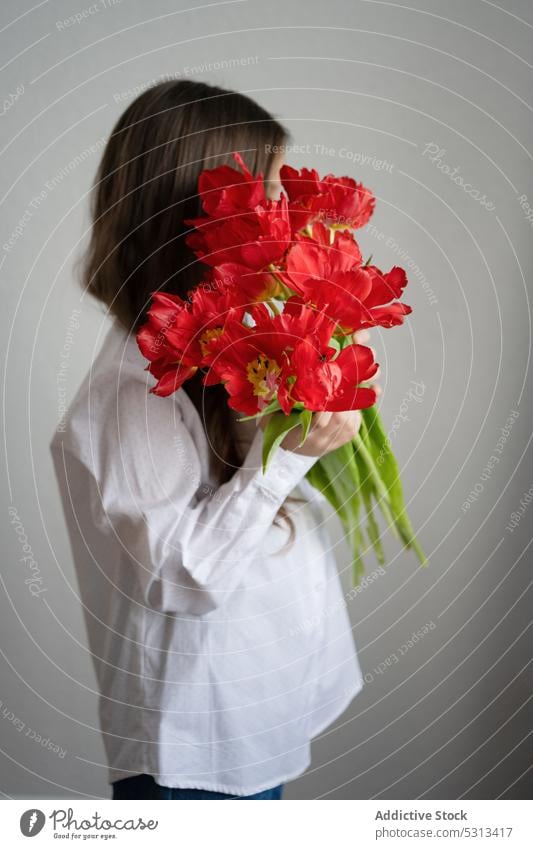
x,y
275,320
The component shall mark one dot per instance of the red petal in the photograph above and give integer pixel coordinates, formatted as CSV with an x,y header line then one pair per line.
x,y
357,399
172,380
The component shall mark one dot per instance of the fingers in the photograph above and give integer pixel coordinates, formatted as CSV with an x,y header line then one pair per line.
x,y
321,420
341,427
352,423
357,419
328,431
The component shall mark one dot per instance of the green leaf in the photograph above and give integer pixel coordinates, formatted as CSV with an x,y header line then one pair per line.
x,y
368,495
373,528
381,491
270,408
306,417
379,447
336,476
276,429
365,472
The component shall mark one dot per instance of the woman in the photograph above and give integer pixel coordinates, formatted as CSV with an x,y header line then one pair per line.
x,y
215,615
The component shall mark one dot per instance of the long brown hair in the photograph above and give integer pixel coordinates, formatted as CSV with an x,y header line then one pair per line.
x,y
145,186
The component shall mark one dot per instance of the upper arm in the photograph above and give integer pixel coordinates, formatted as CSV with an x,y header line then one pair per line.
x,y
188,552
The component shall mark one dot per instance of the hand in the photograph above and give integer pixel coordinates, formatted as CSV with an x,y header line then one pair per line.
x,y
328,431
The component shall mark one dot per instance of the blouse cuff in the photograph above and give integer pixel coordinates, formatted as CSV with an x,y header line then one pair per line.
x,y
284,471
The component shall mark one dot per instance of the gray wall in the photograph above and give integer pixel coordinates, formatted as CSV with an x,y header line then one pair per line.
x,y
429,107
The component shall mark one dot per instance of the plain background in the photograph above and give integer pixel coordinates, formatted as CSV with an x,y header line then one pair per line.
x,y
368,86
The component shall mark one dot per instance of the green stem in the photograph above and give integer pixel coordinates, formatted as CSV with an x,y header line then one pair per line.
x,y
381,489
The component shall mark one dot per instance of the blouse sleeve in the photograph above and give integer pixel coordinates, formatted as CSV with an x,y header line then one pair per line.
x,y
189,547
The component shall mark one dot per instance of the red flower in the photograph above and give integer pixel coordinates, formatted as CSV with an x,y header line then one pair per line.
x,y
348,204
250,368
297,321
253,238
318,258
323,383
178,335
255,252
240,225
301,188
340,201
225,191
165,365
252,361
331,278
288,356
380,307
151,338
247,286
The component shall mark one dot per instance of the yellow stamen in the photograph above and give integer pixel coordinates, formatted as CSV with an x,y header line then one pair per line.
x,y
263,374
207,337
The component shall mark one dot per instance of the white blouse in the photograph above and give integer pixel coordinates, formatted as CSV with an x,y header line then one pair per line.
x,y
219,651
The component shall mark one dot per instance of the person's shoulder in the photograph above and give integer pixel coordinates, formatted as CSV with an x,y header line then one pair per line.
x,y
111,378
115,396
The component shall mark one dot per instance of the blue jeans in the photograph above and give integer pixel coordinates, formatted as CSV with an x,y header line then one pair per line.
x,y
144,787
